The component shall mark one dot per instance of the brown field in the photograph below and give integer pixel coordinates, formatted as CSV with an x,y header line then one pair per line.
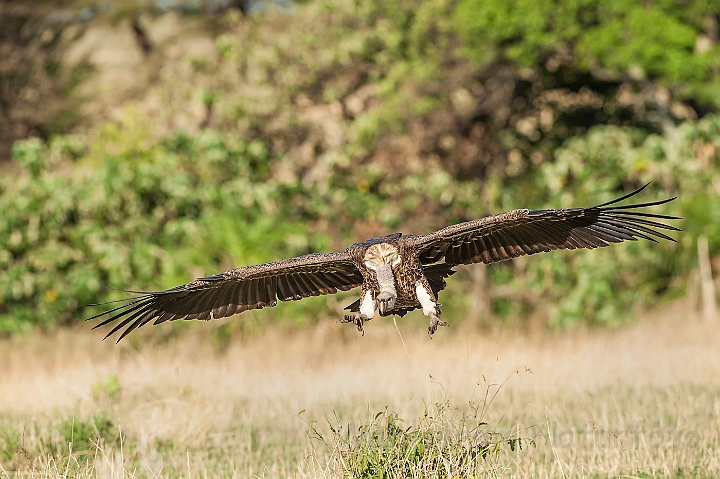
x,y
638,401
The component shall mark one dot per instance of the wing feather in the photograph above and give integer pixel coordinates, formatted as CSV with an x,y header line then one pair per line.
x,y
271,292
474,252
263,293
253,293
308,288
484,251
516,235
525,232
124,322
496,248
166,316
588,240
237,290
640,226
507,245
206,306
320,283
297,288
283,292
598,233
545,240
341,281
465,251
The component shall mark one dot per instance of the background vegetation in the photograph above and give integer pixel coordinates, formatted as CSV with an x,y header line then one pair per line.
x,y
240,139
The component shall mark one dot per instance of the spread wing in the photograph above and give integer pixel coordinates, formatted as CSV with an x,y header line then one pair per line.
x,y
237,290
524,232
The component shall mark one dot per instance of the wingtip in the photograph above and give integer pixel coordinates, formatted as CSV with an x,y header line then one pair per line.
x,y
624,197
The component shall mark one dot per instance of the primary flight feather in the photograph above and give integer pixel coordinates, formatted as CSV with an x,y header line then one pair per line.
x,y
397,273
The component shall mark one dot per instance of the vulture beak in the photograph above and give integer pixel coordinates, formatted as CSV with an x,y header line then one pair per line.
x,y
386,302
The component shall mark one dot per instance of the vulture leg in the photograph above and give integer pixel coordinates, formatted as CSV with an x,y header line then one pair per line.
x,y
429,304
368,305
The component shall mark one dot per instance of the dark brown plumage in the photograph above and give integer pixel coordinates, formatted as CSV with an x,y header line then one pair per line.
x,y
397,273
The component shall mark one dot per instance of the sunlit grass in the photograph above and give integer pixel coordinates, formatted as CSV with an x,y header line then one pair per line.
x,y
640,402
443,442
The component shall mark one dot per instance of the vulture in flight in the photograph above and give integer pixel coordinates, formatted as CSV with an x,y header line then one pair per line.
x,y
397,273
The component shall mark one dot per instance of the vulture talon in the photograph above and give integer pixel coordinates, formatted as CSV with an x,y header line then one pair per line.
x,y
434,323
356,319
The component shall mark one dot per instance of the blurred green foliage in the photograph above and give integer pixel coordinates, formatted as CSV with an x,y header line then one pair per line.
x,y
657,38
376,123
137,216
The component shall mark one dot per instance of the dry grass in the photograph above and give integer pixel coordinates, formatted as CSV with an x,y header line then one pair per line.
x,y
641,401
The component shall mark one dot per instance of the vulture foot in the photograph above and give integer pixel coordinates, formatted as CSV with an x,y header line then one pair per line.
x,y
434,323
357,319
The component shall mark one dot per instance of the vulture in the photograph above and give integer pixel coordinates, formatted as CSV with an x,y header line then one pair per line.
x,y
397,273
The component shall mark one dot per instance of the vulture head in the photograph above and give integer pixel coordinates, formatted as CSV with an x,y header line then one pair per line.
x,y
381,258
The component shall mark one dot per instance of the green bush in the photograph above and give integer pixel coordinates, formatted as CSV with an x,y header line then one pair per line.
x,y
137,218
655,38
